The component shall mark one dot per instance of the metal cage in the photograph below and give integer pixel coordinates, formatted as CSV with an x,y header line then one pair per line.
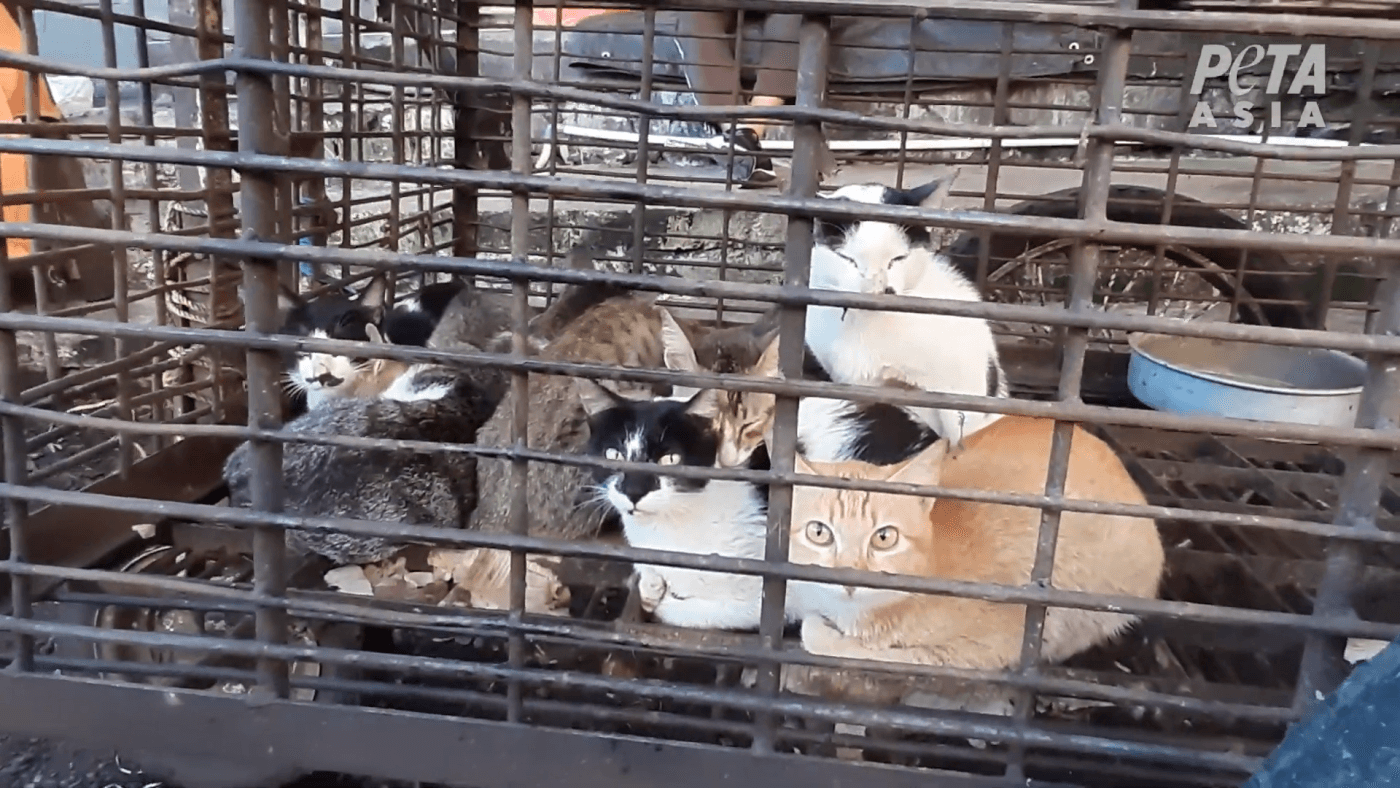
x,y
429,139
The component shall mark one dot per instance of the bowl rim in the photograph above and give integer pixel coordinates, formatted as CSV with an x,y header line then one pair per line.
x,y
1135,344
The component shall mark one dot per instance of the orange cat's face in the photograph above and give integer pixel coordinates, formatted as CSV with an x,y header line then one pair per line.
x,y
878,532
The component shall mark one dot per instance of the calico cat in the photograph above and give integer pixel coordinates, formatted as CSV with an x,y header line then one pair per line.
x,y
425,403
702,516
827,429
971,541
363,317
939,353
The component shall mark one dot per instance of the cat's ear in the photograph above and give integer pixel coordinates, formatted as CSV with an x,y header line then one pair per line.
x,y
926,467
767,366
287,298
705,404
675,346
932,194
799,465
596,397
375,294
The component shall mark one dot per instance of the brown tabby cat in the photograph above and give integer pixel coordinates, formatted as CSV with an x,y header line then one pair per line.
x,y
971,541
623,331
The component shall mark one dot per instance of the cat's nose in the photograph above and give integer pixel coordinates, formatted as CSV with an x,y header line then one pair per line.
x,y
889,291
327,379
636,488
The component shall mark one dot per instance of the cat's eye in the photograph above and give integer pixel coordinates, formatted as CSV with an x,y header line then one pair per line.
x,y
670,459
753,430
613,454
885,538
819,533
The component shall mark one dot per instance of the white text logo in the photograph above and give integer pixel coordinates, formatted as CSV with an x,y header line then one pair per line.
x,y
1310,76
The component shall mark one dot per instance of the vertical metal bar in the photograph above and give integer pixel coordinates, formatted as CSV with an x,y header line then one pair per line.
x,y
466,109
519,380
117,185
316,117
639,212
396,102
1361,114
53,369
162,411
286,122
213,106
1359,494
1000,112
16,467
350,93
256,135
814,44
1098,172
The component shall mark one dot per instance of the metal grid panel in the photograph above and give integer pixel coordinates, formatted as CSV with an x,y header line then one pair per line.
x,y
437,138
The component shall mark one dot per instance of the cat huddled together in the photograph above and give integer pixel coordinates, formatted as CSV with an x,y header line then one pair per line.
x,y
685,427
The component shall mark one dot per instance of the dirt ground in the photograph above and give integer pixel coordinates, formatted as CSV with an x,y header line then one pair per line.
x,y
32,763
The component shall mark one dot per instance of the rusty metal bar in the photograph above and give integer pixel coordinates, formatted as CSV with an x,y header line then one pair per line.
x,y
52,367
16,472
1010,499
1103,231
1084,266
1367,475
520,292
120,265
536,89
814,47
467,109
639,212
257,134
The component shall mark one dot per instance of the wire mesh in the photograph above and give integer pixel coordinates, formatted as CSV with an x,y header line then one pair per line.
x,y
445,141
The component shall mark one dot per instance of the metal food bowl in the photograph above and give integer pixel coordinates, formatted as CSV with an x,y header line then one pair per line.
x,y
1245,380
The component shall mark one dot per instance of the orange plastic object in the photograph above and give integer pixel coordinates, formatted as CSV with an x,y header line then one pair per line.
x,y
14,167
549,17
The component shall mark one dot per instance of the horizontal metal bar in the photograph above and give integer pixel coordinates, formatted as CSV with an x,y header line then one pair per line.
x,y
1319,528
183,593
512,269
457,537
656,194
553,91
362,741
902,717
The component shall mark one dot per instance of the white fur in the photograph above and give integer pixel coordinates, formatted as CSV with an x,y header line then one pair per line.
x,y
938,353
310,367
725,518
406,387
827,428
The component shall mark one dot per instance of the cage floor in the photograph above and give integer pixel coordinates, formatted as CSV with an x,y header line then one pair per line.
x,y
1234,668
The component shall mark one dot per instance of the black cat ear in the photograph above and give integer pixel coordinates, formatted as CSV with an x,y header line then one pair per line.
x,y
287,298
930,195
596,397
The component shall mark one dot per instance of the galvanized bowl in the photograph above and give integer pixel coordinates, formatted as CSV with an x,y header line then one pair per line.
x,y
1245,380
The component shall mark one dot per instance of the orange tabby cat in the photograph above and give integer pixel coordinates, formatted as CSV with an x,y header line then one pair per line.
x,y
967,540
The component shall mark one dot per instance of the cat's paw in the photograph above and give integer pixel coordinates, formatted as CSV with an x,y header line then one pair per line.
x,y
819,636
651,587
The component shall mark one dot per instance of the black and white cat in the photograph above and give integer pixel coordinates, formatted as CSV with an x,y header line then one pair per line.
x,y
360,317
940,353
660,512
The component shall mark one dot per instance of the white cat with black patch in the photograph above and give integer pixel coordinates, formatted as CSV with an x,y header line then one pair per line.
x,y
658,512
938,353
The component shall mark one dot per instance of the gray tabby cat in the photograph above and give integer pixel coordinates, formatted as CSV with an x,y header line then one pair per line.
x,y
445,403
